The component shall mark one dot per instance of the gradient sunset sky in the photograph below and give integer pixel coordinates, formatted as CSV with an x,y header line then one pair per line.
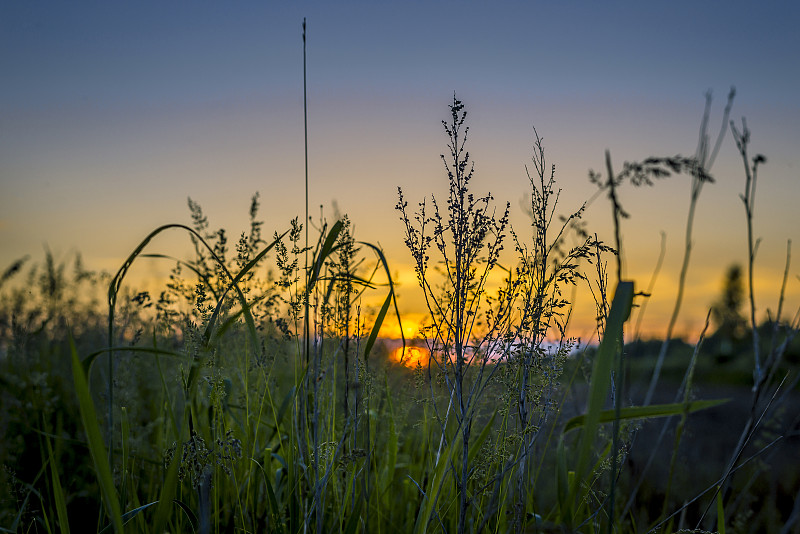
x,y
111,114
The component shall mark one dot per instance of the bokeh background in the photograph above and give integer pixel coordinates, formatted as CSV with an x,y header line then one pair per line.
x,y
111,115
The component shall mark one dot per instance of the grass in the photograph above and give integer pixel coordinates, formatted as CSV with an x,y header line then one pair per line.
x,y
255,398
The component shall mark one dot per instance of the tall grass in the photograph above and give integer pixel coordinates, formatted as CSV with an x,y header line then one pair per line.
x,y
254,393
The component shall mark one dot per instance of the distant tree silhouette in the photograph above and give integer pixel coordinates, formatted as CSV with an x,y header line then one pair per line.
x,y
729,321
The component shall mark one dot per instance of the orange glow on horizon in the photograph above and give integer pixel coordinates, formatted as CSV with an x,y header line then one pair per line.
x,y
701,292
411,322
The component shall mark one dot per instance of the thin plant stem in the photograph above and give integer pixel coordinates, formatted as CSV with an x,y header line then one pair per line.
x,y
650,286
748,198
704,162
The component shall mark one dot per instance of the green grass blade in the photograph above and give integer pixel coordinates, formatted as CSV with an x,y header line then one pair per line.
x,y
601,380
645,412
189,513
352,522
477,443
58,492
130,514
385,264
357,280
430,498
116,282
96,446
277,525
451,451
167,494
373,335
720,513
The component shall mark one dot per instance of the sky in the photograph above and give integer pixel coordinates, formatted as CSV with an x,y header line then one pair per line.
x,y
112,114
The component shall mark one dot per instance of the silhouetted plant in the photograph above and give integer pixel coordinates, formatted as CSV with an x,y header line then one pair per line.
x,y
468,238
244,400
768,389
546,269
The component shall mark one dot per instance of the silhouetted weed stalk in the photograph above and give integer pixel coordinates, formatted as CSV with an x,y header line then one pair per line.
x,y
704,160
253,398
469,239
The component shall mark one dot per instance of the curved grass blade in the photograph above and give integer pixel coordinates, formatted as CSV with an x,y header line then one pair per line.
x,y
116,282
358,280
273,502
189,513
88,361
242,300
58,491
189,266
379,252
113,291
373,335
645,412
127,516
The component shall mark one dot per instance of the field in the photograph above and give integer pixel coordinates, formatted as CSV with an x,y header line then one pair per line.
x,y
254,392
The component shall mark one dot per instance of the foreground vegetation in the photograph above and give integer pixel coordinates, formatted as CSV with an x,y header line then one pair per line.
x,y
253,394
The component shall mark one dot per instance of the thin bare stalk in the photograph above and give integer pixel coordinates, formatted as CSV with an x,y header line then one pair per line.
x,y
704,162
684,416
748,198
764,371
715,485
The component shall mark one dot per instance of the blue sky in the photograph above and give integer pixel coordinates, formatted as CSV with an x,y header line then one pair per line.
x,y
111,115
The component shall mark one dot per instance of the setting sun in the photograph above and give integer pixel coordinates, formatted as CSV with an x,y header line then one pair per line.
x,y
410,356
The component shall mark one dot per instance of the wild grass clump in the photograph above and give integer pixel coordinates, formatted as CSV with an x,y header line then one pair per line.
x,y
253,393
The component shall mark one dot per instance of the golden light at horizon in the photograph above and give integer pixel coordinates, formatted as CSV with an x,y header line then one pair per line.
x,y
411,321
704,288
